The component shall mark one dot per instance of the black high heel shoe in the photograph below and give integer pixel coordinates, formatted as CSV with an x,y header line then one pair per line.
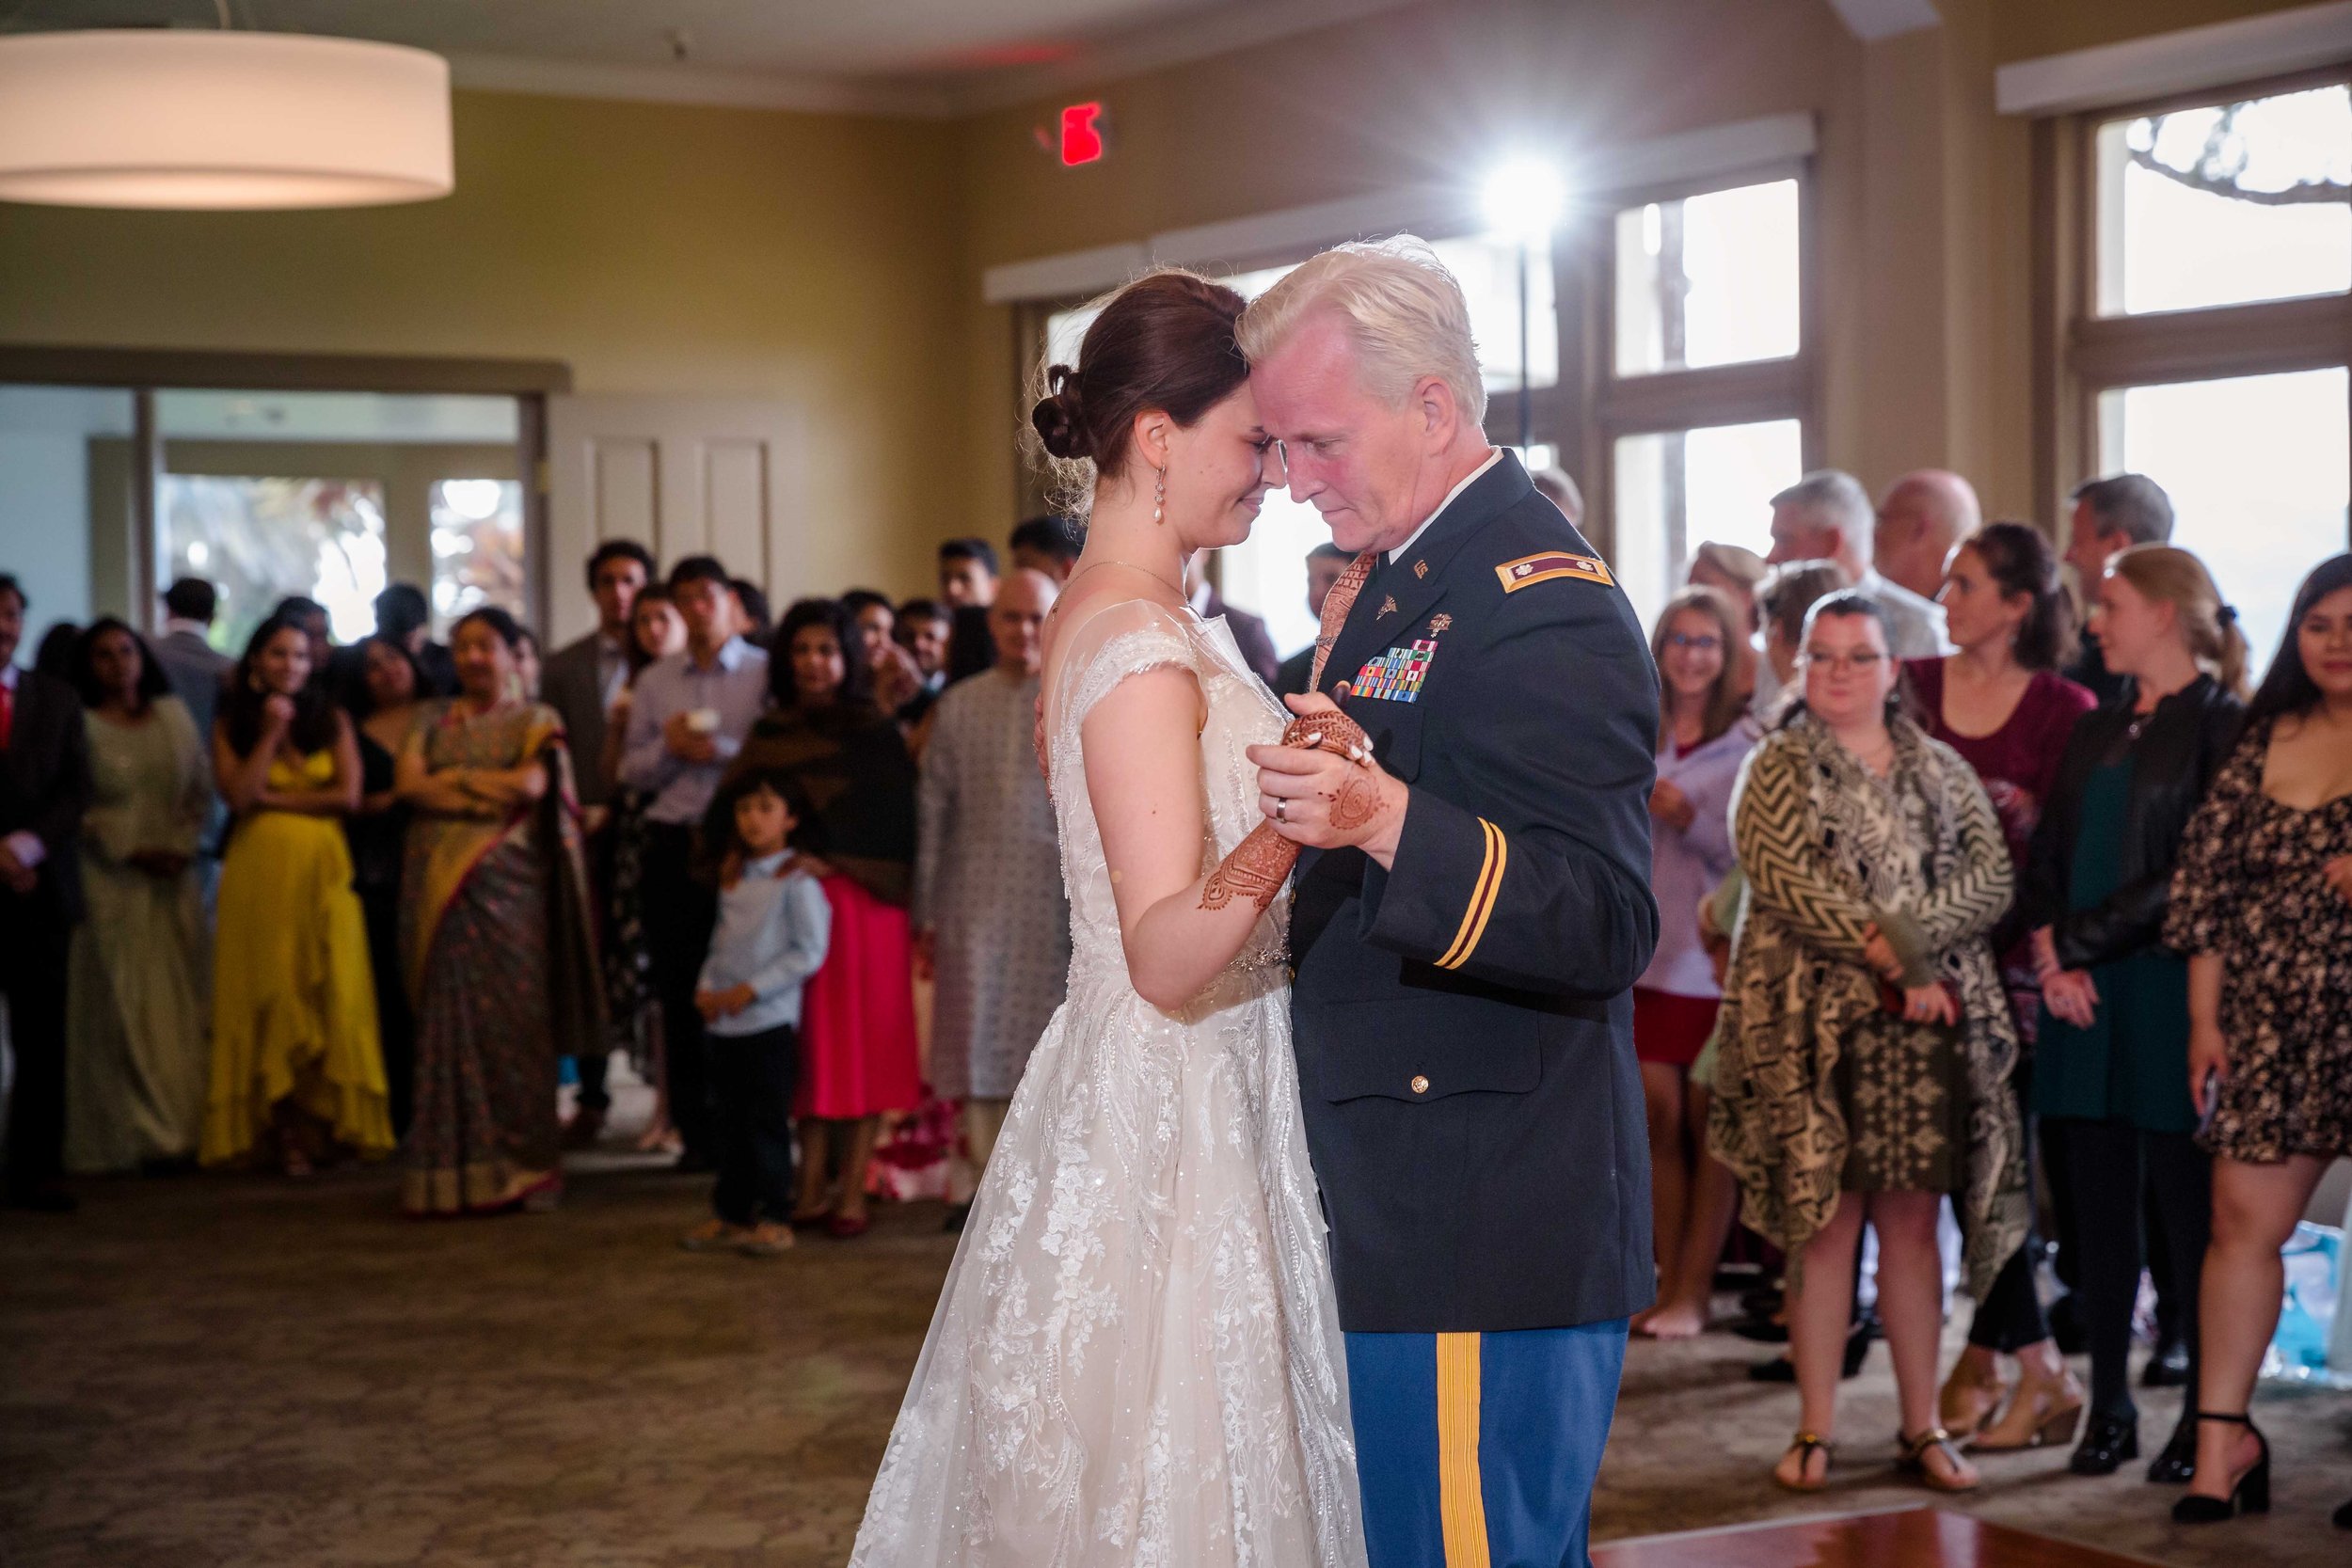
x,y
2251,1494
2175,1464
2109,1441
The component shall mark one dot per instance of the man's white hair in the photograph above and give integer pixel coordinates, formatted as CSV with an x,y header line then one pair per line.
x,y
1403,310
1834,499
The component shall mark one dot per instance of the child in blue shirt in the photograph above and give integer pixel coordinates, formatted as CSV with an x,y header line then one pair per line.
x,y
773,925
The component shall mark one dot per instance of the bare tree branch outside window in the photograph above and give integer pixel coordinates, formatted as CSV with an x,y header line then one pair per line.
x,y
2220,166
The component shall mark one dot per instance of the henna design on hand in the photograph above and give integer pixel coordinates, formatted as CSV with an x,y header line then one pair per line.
x,y
1254,870
1357,803
1260,862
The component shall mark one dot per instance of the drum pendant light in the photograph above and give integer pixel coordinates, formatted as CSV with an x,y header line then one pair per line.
x,y
171,118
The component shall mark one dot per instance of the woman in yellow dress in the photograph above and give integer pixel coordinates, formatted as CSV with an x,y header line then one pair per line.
x,y
296,1068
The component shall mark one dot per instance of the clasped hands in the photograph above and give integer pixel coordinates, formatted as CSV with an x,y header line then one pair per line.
x,y
1327,800
2070,994
1933,1003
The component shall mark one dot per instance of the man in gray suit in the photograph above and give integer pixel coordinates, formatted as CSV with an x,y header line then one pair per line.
x,y
197,674
1827,516
580,682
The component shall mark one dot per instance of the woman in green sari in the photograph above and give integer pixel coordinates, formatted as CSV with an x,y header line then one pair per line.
x,y
498,945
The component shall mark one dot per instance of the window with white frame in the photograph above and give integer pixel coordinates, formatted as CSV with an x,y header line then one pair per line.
x,y
2209,326
1700,415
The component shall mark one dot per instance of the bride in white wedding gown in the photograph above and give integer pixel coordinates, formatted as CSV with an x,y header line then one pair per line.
x,y
1137,1359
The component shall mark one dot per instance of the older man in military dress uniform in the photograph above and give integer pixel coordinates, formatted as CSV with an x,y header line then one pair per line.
x,y
1471,914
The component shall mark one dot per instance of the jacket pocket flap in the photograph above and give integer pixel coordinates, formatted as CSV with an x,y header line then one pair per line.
x,y
1420,1049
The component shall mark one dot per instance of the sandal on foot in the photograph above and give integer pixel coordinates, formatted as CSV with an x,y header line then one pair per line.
x,y
1805,1445
1970,1398
1960,1476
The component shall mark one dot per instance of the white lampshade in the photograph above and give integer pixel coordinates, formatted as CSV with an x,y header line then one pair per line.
x,y
189,119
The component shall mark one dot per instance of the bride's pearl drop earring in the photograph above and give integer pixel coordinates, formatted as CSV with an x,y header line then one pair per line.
x,y
1159,497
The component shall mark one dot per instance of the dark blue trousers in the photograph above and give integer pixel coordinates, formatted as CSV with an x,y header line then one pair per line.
x,y
1478,1451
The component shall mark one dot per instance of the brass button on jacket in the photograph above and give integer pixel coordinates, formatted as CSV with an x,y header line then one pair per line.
x,y
1421,1084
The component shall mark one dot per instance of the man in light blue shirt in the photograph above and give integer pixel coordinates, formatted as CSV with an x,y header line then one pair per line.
x,y
688,719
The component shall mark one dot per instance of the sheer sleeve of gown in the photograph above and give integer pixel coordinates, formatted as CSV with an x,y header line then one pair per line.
x,y
1135,1358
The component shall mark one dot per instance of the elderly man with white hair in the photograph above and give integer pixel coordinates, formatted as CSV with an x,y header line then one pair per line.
x,y
1827,516
1472,910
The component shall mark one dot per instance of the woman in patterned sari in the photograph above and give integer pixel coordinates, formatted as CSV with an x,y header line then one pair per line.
x,y
1866,1043
499,950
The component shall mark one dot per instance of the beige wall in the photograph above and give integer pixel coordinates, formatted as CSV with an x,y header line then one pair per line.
x,y
1432,94
1924,193
656,248
835,261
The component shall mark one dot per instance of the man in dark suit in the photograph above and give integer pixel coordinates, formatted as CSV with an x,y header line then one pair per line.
x,y
1249,634
1470,914
1324,564
2110,515
197,674
580,681
44,789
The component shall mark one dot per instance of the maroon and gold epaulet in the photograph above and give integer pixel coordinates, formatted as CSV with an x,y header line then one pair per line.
x,y
1529,570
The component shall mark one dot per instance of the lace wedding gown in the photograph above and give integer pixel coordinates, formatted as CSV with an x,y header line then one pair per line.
x,y
1136,1358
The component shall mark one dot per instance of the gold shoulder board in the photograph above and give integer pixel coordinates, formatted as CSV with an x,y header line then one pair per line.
x,y
1531,569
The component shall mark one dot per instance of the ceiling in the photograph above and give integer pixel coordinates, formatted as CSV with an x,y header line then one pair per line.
x,y
910,57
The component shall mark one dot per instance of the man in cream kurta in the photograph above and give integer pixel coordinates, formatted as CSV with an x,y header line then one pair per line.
x,y
989,907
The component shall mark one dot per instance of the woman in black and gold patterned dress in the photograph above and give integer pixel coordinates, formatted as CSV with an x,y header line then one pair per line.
x,y
1865,1044
2261,902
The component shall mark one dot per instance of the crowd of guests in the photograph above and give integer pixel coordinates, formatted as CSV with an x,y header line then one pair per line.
x,y
317,903
1962,900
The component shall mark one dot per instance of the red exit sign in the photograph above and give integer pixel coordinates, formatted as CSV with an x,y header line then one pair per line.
x,y
1081,134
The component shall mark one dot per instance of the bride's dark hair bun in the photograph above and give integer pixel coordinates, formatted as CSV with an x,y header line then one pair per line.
x,y
1056,415
1163,341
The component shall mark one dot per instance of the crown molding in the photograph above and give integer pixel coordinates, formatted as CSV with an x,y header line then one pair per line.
x,y
1180,40
2192,58
698,84
1240,25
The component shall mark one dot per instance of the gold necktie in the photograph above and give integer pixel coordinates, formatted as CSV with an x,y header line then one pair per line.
x,y
1335,608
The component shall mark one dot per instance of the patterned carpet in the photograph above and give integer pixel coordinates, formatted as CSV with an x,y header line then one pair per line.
x,y
238,1373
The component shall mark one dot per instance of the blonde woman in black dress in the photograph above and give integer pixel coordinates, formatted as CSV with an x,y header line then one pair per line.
x,y
2262,901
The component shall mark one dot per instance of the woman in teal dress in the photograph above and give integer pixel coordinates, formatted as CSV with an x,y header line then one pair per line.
x,y
2112,1065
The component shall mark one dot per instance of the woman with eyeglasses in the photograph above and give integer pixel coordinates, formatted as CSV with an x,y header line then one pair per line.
x,y
1866,1048
2111,1068
2000,703
1704,733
